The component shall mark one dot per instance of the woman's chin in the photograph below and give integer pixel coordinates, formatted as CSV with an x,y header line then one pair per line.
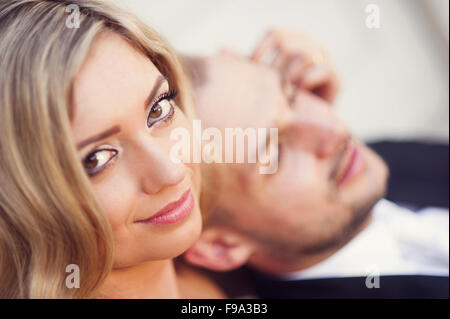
x,y
184,238
164,242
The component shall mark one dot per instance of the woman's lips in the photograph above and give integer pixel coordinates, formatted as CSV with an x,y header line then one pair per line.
x,y
352,164
173,212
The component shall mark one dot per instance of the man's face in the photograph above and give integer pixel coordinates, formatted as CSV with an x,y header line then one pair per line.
x,y
326,182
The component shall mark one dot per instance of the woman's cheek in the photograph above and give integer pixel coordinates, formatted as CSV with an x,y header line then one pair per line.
x,y
185,125
196,177
116,200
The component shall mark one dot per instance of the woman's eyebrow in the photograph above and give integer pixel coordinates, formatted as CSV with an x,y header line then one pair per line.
x,y
159,81
113,130
116,129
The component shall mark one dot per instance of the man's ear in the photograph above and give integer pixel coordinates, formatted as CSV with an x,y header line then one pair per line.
x,y
219,249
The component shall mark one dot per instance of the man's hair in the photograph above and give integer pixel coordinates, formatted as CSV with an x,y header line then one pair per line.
x,y
195,69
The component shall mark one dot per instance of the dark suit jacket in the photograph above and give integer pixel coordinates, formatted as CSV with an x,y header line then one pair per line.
x,y
390,287
419,172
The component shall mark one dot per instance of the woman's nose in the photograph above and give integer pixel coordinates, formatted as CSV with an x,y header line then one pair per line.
x,y
157,170
314,126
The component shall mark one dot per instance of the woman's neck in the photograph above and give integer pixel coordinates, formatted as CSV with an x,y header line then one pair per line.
x,y
155,279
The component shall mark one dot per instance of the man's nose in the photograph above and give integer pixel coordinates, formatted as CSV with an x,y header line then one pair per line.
x,y
314,127
155,168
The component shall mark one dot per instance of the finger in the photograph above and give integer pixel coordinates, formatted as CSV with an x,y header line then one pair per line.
x,y
295,69
331,90
289,90
267,44
289,52
322,81
279,60
316,76
269,58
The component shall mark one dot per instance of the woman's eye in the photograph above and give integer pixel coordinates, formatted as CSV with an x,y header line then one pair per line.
x,y
98,160
159,111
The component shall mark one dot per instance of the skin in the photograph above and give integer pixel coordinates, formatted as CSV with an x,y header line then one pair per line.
x,y
110,91
300,215
302,63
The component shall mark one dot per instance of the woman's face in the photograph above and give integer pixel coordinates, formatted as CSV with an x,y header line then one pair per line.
x,y
124,114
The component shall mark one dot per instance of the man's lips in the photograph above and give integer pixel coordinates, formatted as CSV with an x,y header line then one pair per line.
x,y
173,212
351,163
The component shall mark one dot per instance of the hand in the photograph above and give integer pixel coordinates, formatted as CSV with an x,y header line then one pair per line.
x,y
301,63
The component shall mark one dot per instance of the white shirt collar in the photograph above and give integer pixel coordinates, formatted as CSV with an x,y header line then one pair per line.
x,y
396,241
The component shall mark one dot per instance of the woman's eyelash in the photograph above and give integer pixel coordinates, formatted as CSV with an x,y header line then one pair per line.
x,y
170,95
102,168
167,96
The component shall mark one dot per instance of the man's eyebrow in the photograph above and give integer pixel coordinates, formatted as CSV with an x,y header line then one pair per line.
x,y
113,130
159,81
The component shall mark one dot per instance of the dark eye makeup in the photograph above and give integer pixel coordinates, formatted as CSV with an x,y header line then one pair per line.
x,y
161,110
98,160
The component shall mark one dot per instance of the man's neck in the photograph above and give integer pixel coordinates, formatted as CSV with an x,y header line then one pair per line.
x,y
288,264
156,279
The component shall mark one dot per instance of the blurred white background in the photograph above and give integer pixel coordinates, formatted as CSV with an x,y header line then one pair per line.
x,y
395,79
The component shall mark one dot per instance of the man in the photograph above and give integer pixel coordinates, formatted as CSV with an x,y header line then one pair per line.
x,y
319,226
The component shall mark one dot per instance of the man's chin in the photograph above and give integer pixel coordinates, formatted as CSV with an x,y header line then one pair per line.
x,y
364,194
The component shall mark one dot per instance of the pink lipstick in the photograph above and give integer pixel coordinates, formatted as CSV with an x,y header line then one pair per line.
x,y
173,212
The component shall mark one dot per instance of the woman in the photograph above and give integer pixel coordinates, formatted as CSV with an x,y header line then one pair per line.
x,y
86,111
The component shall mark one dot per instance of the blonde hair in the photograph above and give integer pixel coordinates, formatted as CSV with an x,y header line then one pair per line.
x,y
49,217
